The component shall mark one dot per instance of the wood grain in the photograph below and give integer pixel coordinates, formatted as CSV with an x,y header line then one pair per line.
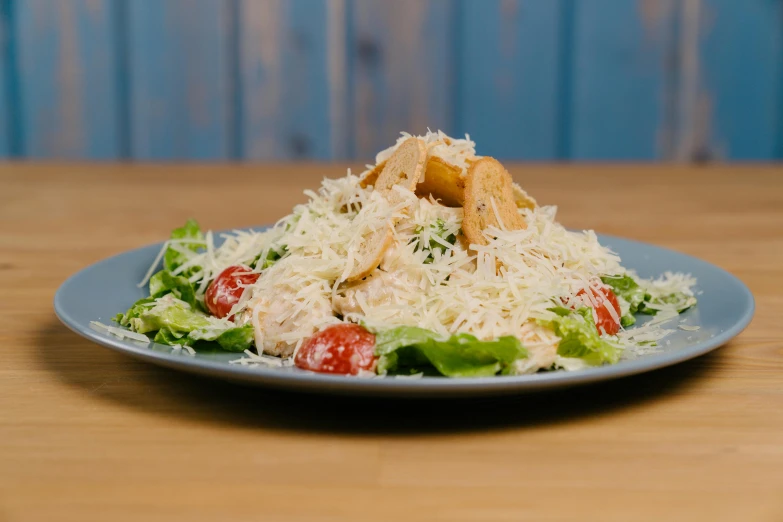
x,y
67,57
508,77
620,79
180,86
742,96
90,435
338,79
287,105
9,134
402,56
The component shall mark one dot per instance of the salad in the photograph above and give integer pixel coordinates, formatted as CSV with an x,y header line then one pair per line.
x,y
431,262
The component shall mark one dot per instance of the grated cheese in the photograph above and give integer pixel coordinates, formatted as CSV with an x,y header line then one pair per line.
x,y
456,291
506,287
689,328
122,333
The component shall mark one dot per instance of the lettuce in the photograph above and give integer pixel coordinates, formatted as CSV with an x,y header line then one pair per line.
x,y
629,291
679,300
175,322
273,255
178,254
580,338
135,311
163,283
461,355
645,300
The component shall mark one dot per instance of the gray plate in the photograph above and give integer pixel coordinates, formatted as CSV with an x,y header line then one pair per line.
x,y
102,290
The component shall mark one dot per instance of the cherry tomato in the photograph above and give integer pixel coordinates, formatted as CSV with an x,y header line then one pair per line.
x,y
341,348
605,298
224,292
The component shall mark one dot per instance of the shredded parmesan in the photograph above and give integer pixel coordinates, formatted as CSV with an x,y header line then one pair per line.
x,y
506,287
689,328
122,333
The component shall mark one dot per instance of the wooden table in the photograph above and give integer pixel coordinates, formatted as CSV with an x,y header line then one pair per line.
x,y
87,434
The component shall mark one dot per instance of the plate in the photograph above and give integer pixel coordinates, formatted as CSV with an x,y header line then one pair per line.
x,y
100,291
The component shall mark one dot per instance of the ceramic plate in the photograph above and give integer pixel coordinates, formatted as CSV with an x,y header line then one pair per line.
x,y
108,287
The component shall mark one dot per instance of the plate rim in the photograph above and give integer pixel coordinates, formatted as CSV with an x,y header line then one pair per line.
x,y
406,387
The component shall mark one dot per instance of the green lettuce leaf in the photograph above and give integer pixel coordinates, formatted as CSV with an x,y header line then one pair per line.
x,y
171,337
177,323
626,287
163,283
679,300
461,355
630,294
237,339
178,254
172,314
580,338
135,311
644,299
273,255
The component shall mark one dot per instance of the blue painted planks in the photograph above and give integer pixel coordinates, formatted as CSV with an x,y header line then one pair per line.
x,y
402,75
508,77
620,79
8,117
287,78
66,64
180,90
741,70
307,97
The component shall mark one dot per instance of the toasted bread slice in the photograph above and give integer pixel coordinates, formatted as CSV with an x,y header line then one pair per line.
x,y
488,188
403,168
371,253
370,177
442,180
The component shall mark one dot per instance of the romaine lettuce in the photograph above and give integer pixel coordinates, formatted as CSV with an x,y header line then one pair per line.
x,y
580,338
177,253
644,299
461,355
629,291
163,283
177,323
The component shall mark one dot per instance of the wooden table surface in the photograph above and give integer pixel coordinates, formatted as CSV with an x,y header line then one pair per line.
x,y
88,434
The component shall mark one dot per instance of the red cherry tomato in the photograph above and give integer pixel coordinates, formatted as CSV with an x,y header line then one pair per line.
x,y
342,348
224,292
605,298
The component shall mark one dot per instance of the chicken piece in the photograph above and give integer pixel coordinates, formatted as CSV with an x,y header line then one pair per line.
x,y
376,290
541,345
282,312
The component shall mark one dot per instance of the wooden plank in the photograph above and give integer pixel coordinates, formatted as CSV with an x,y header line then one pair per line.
x,y
68,96
508,77
180,86
7,82
402,57
285,79
90,434
741,68
620,79
306,96
339,85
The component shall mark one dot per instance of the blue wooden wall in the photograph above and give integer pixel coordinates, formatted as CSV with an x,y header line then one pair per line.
x,y
688,80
